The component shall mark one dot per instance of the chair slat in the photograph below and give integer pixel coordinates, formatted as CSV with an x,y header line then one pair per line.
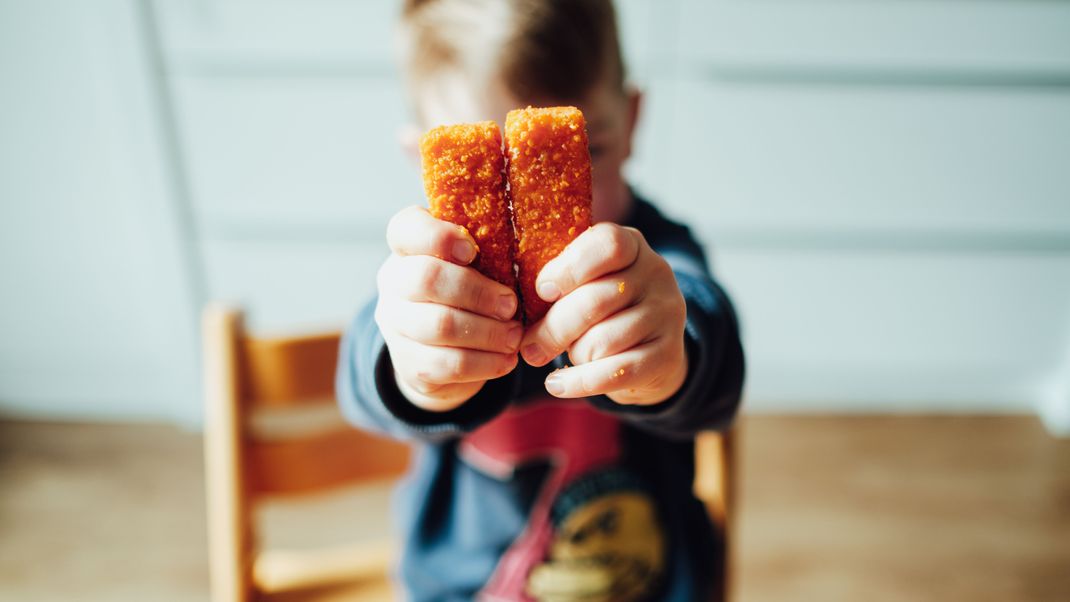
x,y
289,371
288,570
323,461
379,589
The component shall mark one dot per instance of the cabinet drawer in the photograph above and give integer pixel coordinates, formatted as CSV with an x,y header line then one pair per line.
x,y
788,158
294,286
213,34
277,152
899,331
1001,38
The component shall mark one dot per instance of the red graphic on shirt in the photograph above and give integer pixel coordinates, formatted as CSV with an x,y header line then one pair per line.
x,y
574,437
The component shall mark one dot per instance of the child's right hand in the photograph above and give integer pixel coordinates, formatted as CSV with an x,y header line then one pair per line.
x,y
448,328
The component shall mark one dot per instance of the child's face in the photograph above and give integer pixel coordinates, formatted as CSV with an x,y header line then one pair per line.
x,y
610,113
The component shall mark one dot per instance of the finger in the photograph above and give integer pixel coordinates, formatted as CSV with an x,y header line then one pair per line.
x,y
424,279
413,231
634,369
434,324
616,334
602,249
573,315
435,398
449,365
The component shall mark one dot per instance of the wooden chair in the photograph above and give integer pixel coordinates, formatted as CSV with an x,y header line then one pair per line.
x,y
245,376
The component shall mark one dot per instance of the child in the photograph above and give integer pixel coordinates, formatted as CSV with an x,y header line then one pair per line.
x,y
533,483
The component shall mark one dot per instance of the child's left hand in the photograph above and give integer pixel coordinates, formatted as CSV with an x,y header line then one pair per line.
x,y
619,314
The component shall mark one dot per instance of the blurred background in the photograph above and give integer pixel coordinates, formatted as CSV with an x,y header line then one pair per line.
x,y
883,186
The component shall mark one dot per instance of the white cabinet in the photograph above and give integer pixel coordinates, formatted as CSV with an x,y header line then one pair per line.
x,y
884,184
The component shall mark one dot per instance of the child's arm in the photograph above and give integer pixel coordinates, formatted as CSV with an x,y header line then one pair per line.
x,y
652,336
413,363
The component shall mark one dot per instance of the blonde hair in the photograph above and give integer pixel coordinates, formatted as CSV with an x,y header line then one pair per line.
x,y
555,49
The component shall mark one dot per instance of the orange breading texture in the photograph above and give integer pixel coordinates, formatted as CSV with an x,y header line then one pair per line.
x,y
549,175
463,177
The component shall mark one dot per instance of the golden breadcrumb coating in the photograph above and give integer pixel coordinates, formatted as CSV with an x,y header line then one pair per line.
x,y
549,174
463,172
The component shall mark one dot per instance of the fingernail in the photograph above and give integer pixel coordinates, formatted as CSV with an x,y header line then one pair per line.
x,y
548,291
513,338
533,354
506,307
554,386
463,251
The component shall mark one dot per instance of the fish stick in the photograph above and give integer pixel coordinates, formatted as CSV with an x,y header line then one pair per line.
x,y
549,175
464,179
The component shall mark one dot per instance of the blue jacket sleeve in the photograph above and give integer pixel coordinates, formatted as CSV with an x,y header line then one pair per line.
x,y
369,396
710,395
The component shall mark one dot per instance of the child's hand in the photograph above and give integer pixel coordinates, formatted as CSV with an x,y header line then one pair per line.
x,y
618,313
448,327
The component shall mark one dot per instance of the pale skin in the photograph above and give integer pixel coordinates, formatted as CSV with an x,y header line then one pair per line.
x,y
617,311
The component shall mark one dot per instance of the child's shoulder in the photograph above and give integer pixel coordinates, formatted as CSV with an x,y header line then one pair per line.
x,y
648,219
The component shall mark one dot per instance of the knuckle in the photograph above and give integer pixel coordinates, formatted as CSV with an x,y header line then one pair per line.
x,y
435,367
587,382
604,298
635,234
456,365
597,349
507,363
604,228
580,353
616,243
600,343
679,310
480,297
412,376
662,268
443,326
611,243
555,341
429,273
438,241
422,385
494,337
567,275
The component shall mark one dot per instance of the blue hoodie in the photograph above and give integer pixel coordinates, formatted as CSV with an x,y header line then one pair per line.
x,y
516,495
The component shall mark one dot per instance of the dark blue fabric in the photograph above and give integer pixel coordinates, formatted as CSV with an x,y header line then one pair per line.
x,y
458,521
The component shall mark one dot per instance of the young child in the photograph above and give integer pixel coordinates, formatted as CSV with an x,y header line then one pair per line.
x,y
533,483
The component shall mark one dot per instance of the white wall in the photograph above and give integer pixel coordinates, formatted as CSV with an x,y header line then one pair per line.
x,y
883,185
97,308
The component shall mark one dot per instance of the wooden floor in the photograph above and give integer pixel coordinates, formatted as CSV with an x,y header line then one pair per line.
x,y
833,508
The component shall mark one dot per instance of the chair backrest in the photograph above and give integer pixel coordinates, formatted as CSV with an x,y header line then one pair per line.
x,y
250,383
248,379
